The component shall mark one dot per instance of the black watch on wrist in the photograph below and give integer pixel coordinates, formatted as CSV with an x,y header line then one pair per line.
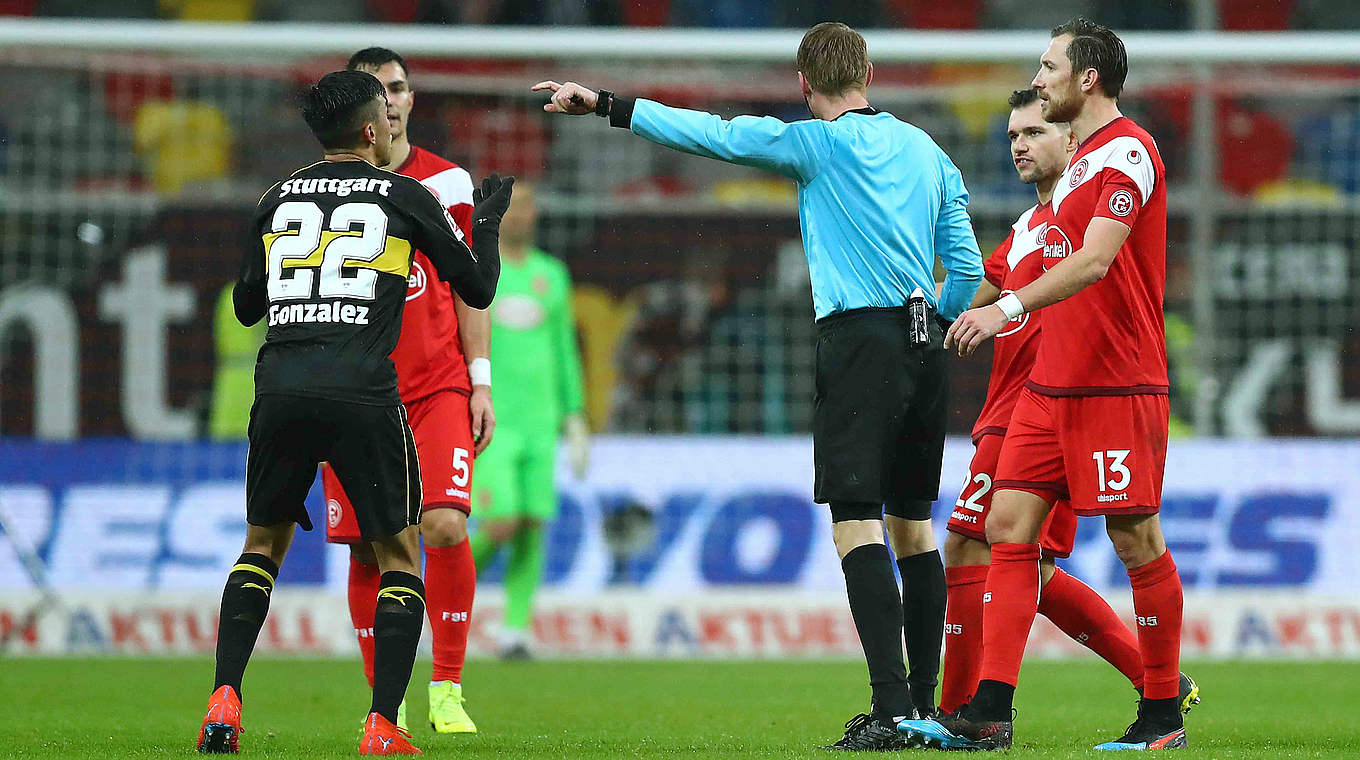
x,y
604,102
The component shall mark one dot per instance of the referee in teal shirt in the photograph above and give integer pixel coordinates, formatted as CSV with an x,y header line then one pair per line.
x,y
878,202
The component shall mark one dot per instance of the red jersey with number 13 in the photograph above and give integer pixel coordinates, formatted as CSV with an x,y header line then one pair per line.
x,y
1014,264
429,354
1110,338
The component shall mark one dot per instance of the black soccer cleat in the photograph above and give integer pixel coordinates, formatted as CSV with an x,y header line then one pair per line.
x,y
959,731
1143,735
869,733
1188,696
219,739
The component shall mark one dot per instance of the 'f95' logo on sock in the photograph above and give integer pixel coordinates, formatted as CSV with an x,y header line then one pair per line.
x,y
987,597
1149,621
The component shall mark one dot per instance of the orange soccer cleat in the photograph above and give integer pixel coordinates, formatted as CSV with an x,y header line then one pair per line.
x,y
221,731
382,737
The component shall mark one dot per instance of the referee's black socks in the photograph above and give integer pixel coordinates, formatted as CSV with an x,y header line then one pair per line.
x,y
245,602
396,632
877,610
923,601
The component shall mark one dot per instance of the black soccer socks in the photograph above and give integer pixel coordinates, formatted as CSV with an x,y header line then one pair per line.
x,y
923,602
877,610
396,632
245,602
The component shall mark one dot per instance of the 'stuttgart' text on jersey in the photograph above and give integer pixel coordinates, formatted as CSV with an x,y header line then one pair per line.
x,y
328,269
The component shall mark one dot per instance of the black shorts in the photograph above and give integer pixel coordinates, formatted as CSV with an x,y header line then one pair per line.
x,y
370,448
879,421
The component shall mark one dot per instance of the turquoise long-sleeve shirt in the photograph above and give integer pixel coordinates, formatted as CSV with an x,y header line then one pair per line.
x,y
878,200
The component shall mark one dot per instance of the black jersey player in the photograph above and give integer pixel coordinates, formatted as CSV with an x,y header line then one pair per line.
x,y
327,267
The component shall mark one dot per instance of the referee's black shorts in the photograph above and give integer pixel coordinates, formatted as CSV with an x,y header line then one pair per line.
x,y
370,448
879,419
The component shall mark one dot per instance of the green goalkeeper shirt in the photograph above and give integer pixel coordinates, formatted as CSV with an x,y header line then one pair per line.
x,y
535,367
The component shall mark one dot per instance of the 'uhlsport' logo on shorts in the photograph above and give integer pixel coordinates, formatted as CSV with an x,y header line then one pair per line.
x,y
333,513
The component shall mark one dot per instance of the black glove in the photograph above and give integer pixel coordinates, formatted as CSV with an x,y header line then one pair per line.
x,y
491,200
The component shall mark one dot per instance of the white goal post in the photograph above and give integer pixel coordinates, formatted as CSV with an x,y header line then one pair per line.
x,y
607,43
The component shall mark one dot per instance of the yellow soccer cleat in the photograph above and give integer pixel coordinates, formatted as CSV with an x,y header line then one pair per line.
x,y
447,715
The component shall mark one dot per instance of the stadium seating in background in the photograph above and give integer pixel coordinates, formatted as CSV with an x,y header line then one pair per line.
x,y
315,11
1326,14
87,9
208,10
932,14
1328,148
1254,15
183,142
17,7
1254,148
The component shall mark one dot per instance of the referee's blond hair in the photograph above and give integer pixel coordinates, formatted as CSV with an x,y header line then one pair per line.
x,y
834,59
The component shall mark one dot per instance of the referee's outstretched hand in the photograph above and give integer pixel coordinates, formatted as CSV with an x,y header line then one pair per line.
x,y
570,98
974,326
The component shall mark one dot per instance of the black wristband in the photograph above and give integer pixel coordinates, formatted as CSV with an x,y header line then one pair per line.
x,y
603,102
621,112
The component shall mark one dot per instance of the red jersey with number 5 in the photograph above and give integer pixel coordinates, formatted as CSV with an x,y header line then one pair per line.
x,y
1014,264
1110,338
429,354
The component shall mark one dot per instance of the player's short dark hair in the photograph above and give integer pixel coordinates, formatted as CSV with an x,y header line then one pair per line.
x,y
1096,47
1022,98
337,106
376,58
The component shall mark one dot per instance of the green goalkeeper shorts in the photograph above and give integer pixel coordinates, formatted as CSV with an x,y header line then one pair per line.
x,y
515,477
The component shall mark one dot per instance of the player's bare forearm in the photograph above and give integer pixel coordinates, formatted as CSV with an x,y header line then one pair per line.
x,y
1079,271
474,330
474,334
987,293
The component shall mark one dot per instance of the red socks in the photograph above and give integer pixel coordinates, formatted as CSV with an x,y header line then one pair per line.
x,y
1084,615
363,604
1008,608
962,634
1157,605
450,582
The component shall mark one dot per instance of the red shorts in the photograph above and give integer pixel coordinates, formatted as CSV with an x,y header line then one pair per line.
x,y
975,501
442,425
1106,454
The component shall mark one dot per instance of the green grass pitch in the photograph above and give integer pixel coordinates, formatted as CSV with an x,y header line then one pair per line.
x,y
116,708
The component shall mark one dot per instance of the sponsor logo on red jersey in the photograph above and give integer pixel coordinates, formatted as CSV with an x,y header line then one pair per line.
x,y
416,281
1056,244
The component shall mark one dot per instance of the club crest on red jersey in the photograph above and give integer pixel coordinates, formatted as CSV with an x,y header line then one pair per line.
x,y
1121,203
1079,172
1056,244
415,281
333,513
1135,156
